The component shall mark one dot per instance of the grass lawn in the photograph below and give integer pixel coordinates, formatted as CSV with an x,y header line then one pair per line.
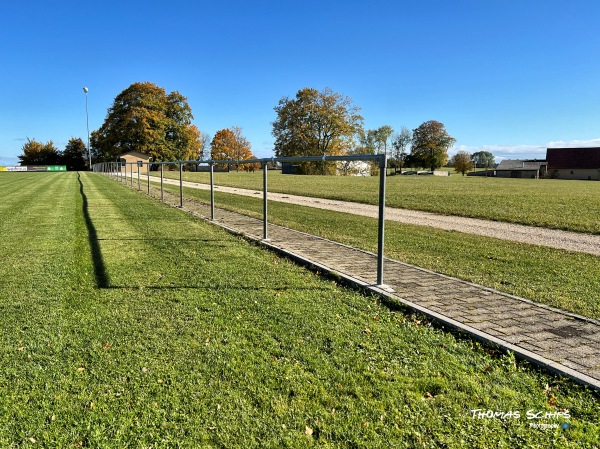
x,y
127,323
563,279
557,204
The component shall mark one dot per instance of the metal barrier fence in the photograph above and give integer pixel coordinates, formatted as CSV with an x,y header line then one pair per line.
x,y
119,171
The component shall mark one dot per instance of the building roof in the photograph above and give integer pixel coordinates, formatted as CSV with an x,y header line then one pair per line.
x,y
573,158
521,164
135,154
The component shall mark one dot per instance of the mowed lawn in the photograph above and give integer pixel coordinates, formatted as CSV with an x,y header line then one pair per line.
x,y
126,323
551,203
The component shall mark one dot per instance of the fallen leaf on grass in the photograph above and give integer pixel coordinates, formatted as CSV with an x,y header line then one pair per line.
x,y
308,431
368,331
80,369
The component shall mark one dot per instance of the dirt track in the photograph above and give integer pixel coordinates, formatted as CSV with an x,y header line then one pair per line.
x,y
570,241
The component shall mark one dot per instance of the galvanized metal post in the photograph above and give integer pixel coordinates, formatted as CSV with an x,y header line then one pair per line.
x,y
131,175
180,184
138,171
212,191
265,208
381,230
162,195
148,173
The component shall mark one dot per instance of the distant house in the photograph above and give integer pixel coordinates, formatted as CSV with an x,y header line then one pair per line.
x,y
574,163
521,168
133,157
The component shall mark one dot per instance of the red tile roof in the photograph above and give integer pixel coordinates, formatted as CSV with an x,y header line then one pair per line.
x,y
573,158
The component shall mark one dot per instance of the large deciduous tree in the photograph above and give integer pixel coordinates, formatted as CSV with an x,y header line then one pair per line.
x,y
430,145
75,155
484,159
315,124
38,153
146,119
230,144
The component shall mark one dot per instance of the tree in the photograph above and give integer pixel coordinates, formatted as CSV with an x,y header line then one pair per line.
x,y
75,155
366,142
315,124
230,144
205,140
37,153
381,137
400,144
430,145
484,159
463,162
146,119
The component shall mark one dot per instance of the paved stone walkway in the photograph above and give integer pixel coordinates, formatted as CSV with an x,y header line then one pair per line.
x,y
558,340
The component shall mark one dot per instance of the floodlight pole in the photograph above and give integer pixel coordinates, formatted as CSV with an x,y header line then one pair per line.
x,y
87,122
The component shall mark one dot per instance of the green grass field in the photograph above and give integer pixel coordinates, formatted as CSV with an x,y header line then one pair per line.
x,y
126,323
557,204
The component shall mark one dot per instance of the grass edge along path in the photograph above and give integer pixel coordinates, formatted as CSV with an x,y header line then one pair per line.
x,y
203,340
562,279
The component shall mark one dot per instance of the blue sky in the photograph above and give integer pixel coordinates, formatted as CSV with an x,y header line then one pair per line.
x,y
508,76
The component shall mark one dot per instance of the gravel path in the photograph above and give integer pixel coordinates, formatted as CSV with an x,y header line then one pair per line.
x,y
570,241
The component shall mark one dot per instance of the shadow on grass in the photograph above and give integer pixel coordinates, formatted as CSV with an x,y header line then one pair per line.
x,y
102,278
214,287
97,259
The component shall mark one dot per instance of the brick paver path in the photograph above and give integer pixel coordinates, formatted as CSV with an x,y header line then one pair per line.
x,y
561,341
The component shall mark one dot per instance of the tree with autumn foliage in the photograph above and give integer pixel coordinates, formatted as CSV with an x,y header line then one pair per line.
x,y
146,119
315,124
430,145
38,153
462,162
230,145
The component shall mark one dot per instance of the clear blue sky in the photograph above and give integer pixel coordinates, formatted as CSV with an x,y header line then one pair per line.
x,y
510,76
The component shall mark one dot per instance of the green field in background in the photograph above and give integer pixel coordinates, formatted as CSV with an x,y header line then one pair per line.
x,y
551,203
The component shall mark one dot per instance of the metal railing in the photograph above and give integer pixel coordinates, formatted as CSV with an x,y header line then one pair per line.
x,y
119,171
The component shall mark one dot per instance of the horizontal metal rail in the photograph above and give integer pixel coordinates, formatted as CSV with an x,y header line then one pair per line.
x,y
114,169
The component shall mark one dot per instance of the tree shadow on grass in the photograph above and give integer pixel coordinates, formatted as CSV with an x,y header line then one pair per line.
x,y
97,259
214,287
102,278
